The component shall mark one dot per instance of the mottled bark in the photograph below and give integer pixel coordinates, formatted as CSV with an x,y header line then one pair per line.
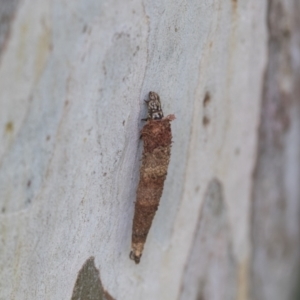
x,y
276,192
73,76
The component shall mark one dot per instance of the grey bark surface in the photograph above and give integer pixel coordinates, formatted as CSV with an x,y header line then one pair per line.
x,y
211,262
276,190
73,77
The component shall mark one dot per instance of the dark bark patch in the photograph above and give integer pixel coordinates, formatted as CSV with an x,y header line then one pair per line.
x,y
88,285
206,99
7,11
9,127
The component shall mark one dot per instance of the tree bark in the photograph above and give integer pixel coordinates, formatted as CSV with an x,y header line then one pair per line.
x,y
276,193
73,79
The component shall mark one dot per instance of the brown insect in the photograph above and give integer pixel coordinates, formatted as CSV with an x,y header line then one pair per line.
x,y
157,138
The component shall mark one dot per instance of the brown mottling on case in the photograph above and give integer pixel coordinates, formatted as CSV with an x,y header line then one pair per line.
x,y
157,138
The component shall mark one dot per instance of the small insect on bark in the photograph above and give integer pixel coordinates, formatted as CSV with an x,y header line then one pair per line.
x,y
157,138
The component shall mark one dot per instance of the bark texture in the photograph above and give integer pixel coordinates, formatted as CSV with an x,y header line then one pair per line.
x,y
73,76
211,262
276,190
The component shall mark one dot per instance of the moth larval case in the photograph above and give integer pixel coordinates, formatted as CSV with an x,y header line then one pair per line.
x,y
157,137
